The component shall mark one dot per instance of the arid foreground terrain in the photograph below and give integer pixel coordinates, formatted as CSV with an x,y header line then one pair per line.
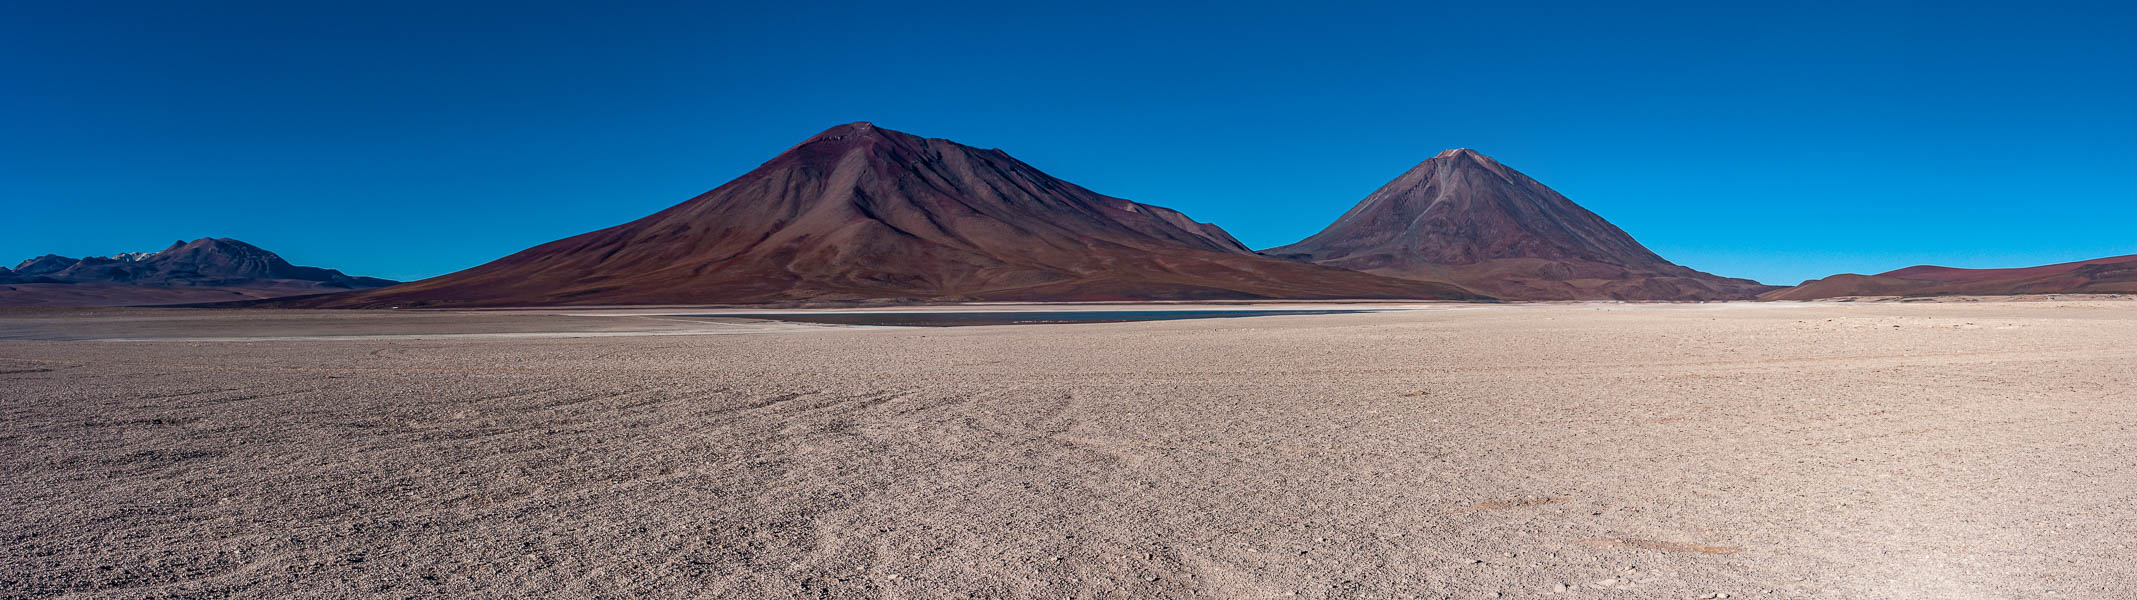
x,y
1829,450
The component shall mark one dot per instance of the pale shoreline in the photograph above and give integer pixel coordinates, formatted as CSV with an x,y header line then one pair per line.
x,y
1814,449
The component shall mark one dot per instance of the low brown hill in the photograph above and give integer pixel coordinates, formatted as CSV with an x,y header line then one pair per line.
x,y
860,212
2117,274
1462,217
203,270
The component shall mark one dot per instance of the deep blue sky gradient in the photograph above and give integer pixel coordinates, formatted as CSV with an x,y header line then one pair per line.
x,y
407,139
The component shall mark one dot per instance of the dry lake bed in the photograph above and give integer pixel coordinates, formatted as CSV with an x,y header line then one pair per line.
x,y
1778,450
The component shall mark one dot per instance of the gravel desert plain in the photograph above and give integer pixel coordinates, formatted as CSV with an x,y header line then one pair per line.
x,y
1957,448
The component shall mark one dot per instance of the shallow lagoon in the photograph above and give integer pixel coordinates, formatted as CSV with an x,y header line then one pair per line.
x,y
967,319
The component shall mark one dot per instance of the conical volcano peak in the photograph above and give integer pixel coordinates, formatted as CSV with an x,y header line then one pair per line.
x,y
848,130
1456,157
837,140
224,245
1463,217
1453,164
859,130
829,144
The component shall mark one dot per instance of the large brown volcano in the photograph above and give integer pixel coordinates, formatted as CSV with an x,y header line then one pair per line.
x,y
860,212
1462,217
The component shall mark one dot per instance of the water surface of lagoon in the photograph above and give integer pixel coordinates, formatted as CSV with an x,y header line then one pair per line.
x,y
966,319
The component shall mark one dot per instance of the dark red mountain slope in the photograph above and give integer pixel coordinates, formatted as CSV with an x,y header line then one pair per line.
x,y
2116,274
1462,217
864,213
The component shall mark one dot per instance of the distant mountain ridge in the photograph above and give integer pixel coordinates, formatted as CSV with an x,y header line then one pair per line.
x,y
1464,218
203,270
863,213
2115,274
859,213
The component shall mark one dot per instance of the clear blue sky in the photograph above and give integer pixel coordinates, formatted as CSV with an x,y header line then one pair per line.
x,y
1780,141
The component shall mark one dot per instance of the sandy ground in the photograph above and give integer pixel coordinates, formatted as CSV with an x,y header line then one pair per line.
x,y
1831,450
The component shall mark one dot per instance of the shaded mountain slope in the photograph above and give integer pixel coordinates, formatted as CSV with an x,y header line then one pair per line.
x,y
1462,217
865,213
